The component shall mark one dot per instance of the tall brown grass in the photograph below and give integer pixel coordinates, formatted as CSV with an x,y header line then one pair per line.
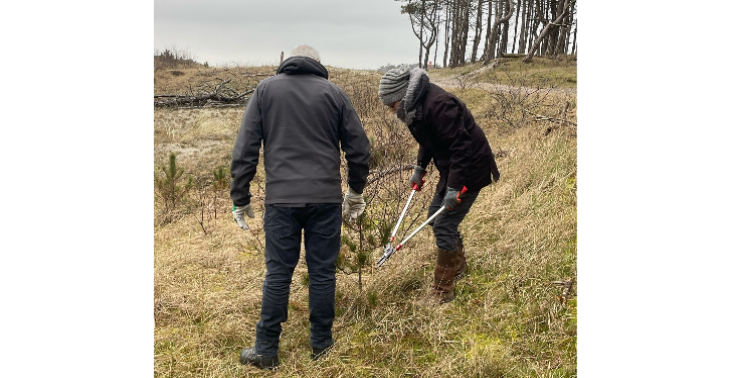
x,y
508,319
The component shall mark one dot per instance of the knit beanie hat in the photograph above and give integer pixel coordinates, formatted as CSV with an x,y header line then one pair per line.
x,y
393,85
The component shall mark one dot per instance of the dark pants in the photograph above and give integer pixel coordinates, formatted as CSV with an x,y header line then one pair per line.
x,y
445,226
283,225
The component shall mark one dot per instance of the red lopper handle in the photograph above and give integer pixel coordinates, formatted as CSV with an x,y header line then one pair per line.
x,y
458,195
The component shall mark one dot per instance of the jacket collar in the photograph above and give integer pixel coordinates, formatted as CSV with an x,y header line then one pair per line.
x,y
297,65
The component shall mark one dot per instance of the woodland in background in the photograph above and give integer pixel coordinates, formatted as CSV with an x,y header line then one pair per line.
x,y
526,27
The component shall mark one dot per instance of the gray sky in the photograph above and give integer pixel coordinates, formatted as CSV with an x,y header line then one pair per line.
x,y
347,33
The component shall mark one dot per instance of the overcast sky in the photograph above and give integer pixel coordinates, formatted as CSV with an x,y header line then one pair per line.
x,y
347,33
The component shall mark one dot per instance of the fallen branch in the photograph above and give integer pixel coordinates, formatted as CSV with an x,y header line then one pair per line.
x,y
208,106
221,96
541,117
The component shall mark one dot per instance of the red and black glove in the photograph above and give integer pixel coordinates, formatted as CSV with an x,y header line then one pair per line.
x,y
417,178
453,197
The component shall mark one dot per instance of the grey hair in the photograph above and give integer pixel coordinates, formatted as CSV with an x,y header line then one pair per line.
x,y
304,50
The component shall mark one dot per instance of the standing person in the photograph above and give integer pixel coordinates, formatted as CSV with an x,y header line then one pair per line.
x,y
446,132
302,119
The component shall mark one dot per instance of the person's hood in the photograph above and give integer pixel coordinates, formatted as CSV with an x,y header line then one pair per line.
x,y
410,107
297,65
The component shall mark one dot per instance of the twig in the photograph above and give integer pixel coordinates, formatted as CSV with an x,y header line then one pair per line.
x,y
256,236
375,176
541,117
567,286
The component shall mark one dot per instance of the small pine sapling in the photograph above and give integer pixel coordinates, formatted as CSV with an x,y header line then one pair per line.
x,y
220,183
168,187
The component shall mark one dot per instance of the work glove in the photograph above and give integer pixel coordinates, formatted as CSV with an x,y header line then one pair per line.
x,y
353,206
417,178
452,198
238,215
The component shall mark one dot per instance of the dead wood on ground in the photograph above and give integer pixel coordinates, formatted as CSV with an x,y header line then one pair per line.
x,y
221,96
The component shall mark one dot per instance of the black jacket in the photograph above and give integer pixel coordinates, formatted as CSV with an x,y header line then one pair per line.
x,y
302,119
446,131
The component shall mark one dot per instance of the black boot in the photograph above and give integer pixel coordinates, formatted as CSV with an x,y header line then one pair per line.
x,y
250,357
317,353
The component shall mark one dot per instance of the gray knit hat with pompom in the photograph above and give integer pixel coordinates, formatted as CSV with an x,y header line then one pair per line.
x,y
393,85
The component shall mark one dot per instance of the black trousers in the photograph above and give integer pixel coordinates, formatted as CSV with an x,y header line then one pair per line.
x,y
283,225
446,225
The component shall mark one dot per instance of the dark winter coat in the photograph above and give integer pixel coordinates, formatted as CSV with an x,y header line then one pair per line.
x,y
446,131
302,119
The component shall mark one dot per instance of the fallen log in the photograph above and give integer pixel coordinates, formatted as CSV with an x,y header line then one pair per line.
x,y
220,96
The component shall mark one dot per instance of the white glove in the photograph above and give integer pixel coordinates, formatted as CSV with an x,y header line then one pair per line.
x,y
353,206
238,215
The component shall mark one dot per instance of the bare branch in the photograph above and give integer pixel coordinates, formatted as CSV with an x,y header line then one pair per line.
x,y
375,176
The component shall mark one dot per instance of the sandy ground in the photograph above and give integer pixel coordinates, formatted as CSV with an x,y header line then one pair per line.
x,y
469,83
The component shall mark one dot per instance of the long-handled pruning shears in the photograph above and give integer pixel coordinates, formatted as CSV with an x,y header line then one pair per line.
x,y
389,249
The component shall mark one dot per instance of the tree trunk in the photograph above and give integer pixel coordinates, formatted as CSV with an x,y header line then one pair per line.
x,y
568,29
497,24
547,30
540,16
575,38
545,14
461,31
550,14
433,28
465,32
524,29
420,37
489,31
436,49
514,38
458,48
505,36
478,31
446,35
533,25
455,26
498,15
564,31
554,43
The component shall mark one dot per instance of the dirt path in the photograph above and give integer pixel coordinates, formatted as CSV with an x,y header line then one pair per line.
x,y
467,83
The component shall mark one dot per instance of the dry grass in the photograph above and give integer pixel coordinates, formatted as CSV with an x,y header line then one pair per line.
x,y
182,80
506,321
560,72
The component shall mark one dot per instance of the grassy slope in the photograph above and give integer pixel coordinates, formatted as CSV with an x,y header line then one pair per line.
x,y
506,320
561,72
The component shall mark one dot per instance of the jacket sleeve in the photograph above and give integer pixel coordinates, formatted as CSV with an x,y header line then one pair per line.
x,y
449,126
246,152
355,144
424,156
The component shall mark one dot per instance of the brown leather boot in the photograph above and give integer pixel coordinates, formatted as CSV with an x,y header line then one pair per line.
x,y
442,290
462,269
